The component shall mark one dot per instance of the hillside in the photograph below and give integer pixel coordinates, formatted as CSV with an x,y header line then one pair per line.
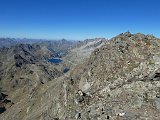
x,y
82,50
24,67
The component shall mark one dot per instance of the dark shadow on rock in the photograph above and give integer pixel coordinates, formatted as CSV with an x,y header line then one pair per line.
x,y
2,109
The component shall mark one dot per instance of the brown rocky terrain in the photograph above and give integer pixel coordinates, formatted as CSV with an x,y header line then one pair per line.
x,y
23,68
120,81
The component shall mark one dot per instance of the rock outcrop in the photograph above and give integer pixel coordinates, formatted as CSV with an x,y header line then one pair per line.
x,y
122,80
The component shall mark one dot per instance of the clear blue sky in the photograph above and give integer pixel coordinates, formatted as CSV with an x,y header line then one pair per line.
x,y
78,19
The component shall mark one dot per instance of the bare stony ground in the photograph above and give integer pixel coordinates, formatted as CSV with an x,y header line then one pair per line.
x,y
119,81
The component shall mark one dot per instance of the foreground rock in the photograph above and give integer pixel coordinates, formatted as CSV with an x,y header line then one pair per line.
x,y
121,79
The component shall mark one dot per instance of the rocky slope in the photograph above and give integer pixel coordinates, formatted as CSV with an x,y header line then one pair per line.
x,y
120,81
24,67
82,50
61,47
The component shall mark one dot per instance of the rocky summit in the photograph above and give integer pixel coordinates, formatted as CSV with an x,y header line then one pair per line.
x,y
116,79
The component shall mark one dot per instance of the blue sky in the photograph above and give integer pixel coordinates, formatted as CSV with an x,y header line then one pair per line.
x,y
78,19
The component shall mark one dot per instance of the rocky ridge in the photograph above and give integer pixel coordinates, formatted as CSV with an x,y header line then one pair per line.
x,y
121,80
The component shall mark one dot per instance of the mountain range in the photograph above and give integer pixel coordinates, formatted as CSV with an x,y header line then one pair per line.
x,y
115,79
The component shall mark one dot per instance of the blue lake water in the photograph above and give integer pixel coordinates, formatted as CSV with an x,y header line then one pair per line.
x,y
55,60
